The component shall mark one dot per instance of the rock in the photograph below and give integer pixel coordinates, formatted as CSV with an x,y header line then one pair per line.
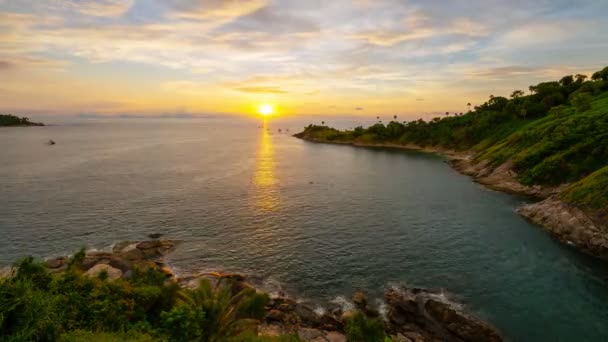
x,y
155,235
309,334
149,244
360,300
113,273
334,336
56,262
460,324
275,316
7,272
132,253
119,246
307,316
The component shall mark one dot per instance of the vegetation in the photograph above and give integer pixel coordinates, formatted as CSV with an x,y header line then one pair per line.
x,y
557,133
11,120
360,328
38,306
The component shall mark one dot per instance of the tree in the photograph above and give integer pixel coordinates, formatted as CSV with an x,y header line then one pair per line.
x,y
323,123
600,75
395,117
447,113
469,105
580,78
566,80
517,93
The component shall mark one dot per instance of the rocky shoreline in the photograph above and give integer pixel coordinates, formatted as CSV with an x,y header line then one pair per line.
x,y
568,223
410,314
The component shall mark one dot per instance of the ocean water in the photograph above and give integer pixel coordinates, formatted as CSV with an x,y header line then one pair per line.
x,y
318,220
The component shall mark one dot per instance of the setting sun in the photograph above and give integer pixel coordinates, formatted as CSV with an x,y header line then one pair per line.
x,y
266,109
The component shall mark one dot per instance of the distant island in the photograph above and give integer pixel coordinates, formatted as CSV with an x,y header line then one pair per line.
x,y
551,143
12,120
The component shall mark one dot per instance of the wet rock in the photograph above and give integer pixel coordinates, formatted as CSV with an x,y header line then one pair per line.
x,y
460,324
113,273
420,315
155,235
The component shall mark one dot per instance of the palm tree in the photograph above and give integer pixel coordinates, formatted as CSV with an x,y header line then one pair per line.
x,y
395,117
225,314
447,113
323,123
469,105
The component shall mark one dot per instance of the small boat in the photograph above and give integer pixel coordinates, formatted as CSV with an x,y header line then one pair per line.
x,y
51,142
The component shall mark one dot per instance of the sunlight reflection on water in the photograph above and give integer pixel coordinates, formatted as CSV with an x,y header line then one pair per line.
x,y
265,192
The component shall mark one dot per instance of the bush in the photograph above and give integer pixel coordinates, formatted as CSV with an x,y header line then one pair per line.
x,y
38,306
359,328
582,101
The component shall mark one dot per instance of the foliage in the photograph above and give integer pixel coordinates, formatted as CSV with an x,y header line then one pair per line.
x,y
591,191
38,306
359,328
12,120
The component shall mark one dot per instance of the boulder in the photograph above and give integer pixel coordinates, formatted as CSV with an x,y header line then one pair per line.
x,y
56,262
113,273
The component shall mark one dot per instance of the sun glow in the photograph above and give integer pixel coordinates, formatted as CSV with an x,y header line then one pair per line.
x,y
266,109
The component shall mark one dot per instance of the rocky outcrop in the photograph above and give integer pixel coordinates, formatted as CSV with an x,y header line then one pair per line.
x,y
420,315
120,261
412,315
570,224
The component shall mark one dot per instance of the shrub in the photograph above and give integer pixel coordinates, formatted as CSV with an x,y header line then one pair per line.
x,y
359,328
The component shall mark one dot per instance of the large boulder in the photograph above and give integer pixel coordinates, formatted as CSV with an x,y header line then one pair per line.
x,y
113,273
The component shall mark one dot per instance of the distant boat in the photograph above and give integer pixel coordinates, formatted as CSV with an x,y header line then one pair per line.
x,y
51,142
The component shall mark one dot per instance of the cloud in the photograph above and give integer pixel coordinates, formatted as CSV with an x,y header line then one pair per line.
x,y
384,38
261,90
101,8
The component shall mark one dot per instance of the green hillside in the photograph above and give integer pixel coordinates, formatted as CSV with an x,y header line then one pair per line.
x,y
557,133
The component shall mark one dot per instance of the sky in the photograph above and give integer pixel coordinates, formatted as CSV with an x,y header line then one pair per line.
x,y
360,57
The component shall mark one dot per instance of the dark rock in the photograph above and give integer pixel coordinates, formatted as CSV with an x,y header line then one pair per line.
x,y
460,324
275,316
306,314
155,235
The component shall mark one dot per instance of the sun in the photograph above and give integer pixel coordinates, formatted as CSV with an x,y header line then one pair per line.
x,y
266,109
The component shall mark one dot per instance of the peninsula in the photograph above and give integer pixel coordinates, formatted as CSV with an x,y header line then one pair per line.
x,y
12,120
551,143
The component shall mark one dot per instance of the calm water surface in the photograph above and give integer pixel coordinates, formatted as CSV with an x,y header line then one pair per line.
x,y
321,220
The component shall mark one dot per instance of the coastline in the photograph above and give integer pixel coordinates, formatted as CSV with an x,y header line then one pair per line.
x,y
409,314
569,224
